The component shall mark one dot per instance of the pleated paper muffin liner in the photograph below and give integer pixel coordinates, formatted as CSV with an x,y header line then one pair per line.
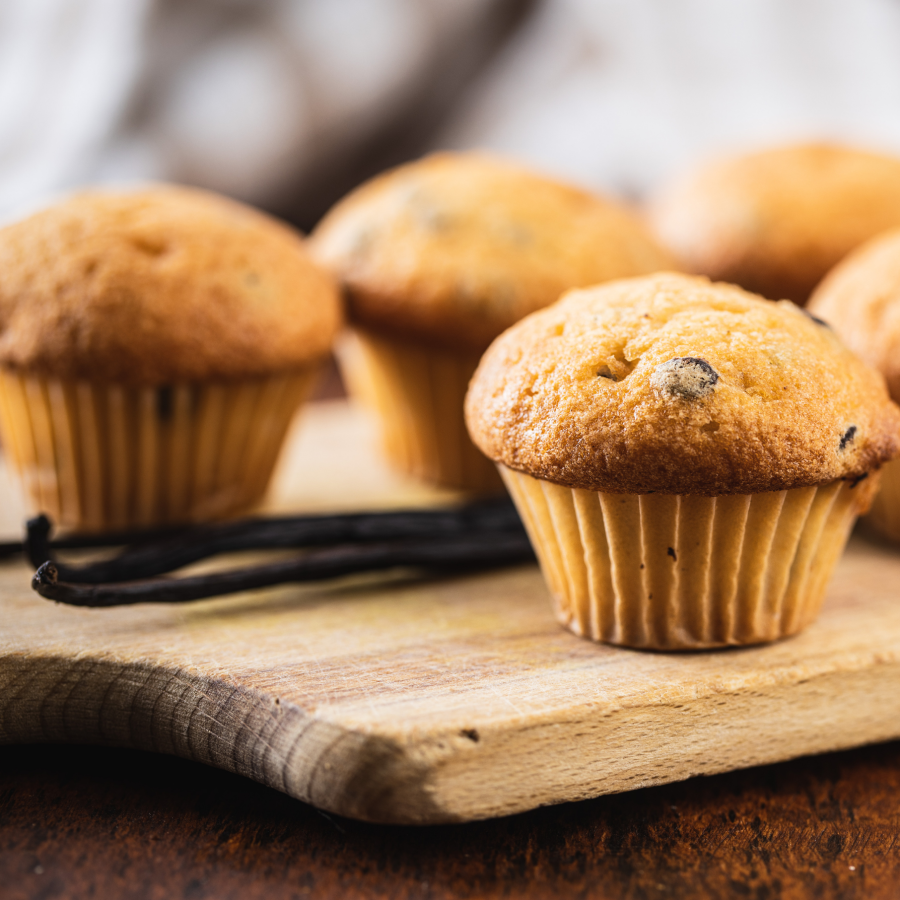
x,y
679,572
885,512
417,395
100,457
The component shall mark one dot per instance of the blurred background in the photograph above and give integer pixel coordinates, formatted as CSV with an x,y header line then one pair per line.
x,y
287,104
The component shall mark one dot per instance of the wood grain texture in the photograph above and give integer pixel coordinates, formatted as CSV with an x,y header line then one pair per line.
x,y
439,701
80,822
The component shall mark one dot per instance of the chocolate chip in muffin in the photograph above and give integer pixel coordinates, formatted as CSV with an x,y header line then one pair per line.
x,y
847,437
687,377
815,319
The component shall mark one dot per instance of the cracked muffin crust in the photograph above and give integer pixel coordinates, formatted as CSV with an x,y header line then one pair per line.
x,y
860,299
161,285
776,221
672,384
452,249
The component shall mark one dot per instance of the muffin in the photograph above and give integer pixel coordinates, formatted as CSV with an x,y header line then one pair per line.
x,y
775,222
688,458
437,258
860,299
154,346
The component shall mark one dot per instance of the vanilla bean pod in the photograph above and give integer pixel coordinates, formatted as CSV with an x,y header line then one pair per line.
x,y
11,548
38,547
447,555
90,540
201,542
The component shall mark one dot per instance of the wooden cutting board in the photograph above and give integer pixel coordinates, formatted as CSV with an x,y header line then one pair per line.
x,y
434,701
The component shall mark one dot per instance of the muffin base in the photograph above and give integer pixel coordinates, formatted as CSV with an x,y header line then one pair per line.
x,y
417,395
96,457
685,572
885,513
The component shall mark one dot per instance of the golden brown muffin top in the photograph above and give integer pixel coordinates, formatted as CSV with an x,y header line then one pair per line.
x,y
670,383
160,285
452,249
860,299
775,222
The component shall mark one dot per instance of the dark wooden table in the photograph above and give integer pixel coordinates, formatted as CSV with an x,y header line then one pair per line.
x,y
86,822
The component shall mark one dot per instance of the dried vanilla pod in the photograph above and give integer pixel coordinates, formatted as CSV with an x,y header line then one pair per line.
x,y
478,535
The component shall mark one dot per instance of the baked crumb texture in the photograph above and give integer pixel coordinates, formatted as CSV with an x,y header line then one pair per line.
x,y
672,384
860,299
161,286
452,249
775,222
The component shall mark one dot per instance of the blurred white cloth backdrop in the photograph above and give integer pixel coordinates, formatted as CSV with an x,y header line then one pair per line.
x,y
251,96
620,94
237,95
67,72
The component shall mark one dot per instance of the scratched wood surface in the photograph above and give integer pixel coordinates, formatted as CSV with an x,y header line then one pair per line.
x,y
439,701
